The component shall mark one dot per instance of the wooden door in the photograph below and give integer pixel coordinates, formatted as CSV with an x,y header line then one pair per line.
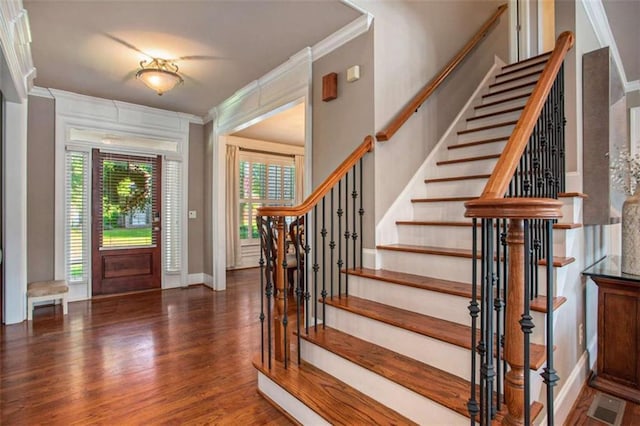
x,y
126,236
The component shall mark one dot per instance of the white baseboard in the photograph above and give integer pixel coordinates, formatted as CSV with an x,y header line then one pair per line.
x,y
370,259
207,280
567,397
197,278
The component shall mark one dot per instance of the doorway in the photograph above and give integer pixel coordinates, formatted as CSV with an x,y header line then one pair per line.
x,y
126,237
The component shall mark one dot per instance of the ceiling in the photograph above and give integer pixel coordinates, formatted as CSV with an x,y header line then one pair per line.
x,y
286,127
93,47
624,20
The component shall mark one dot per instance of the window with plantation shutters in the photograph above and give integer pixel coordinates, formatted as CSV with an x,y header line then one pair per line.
x,y
173,215
265,180
127,185
77,226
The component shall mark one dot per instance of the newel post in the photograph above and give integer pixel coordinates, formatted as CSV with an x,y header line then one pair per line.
x,y
517,210
279,319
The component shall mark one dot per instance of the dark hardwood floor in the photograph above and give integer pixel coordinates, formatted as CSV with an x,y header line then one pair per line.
x,y
180,356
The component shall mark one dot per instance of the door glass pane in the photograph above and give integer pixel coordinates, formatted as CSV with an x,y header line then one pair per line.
x,y
126,202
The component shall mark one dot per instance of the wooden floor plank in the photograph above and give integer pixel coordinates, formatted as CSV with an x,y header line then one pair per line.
x,y
436,328
174,356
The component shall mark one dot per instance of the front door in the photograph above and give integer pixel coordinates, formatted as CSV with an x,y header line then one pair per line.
x,y
126,223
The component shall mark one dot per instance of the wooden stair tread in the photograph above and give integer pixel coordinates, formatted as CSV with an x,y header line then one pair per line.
x,y
467,159
502,101
558,261
510,89
480,142
493,114
531,65
437,385
436,328
488,127
525,61
335,401
560,226
439,199
520,77
572,195
455,178
455,288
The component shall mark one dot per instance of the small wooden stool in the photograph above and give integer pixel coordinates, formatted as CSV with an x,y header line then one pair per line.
x,y
41,291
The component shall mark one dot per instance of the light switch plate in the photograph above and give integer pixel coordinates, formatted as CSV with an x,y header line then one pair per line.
x,y
192,214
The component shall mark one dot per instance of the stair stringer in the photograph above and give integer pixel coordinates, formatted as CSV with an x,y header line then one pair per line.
x,y
386,229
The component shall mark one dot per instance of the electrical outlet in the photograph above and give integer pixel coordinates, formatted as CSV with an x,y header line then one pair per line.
x,y
580,334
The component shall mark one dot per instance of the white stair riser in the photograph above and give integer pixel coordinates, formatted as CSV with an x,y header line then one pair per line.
x,y
496,132
537,68
508,94
466,168
461,237
501,106
446,267
514,83
494,119
444,211
524,64
406,402
467,187
442,355
476,150
439,305
288,403
571,210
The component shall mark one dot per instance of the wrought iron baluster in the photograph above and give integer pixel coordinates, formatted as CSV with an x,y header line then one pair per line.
x,y
488,368
526,324
354,234
549,375
346,232
483,328
324,265
361,213
497,305
340,212
472,404
285,296
297,244
262,294
316,267
332,244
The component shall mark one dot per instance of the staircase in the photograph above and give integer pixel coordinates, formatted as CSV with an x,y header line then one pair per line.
x,y
396,350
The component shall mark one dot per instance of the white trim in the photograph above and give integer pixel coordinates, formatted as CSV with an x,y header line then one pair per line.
x,y
598,18
567,396
634,130
101,117
41,92
266,146
344,35
525,30
15,212
592,349
371,259
285,86
15,43
195,278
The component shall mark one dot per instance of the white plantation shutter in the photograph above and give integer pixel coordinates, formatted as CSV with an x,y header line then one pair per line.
x,y
77,217
265,180
173,215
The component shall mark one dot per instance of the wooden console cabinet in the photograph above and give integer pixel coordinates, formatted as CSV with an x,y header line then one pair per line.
x,y
618,365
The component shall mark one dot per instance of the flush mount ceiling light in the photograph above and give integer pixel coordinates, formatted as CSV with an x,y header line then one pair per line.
x,y
158,74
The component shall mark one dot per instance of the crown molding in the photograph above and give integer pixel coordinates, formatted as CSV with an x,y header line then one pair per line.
x,y
598,18
41,92
344,35
15,41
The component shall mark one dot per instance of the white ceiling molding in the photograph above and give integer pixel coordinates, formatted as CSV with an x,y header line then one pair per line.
x,y
341,37
598,18
15,40
41,92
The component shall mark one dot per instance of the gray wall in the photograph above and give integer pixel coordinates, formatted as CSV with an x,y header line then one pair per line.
x,y
340,125
40,189
196,197
413,42
207,181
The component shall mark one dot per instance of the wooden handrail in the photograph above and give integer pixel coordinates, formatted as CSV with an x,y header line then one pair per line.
x,y
418,100
508,162
365,147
